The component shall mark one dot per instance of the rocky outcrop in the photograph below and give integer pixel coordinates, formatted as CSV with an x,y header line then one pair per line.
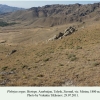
x,y
67,32
55,37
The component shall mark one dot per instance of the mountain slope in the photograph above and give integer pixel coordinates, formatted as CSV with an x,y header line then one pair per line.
x,y
27,58
51,15
6,9
71,61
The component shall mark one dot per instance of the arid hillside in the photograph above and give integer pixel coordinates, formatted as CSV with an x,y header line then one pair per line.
x,y
30,57
51,15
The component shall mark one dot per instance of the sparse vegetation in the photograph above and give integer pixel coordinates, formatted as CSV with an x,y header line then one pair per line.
x,y
72,57
78,47
46,59
61,64
4,68
50,64
24,66
73,60
3,24
40,75
13,69
35,67
96,64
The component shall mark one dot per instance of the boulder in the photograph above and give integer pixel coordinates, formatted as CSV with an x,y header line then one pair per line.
x,y
53,38
60,35
57,36
69,30
66,33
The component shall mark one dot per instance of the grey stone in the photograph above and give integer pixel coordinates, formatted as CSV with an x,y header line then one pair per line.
x,y
4,82
6,73
67,33
60,35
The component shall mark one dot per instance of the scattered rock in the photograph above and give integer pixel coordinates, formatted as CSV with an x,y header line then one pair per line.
x,y
68,83
4,82
42,64
13,51
6,73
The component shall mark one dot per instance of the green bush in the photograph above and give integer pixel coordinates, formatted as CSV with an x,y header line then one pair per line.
x,y
3,24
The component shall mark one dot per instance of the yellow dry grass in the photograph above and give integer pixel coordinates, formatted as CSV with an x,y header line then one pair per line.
x,y
71,61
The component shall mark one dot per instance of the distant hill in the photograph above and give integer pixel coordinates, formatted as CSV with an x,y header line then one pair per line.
x,y
6,9
50,15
